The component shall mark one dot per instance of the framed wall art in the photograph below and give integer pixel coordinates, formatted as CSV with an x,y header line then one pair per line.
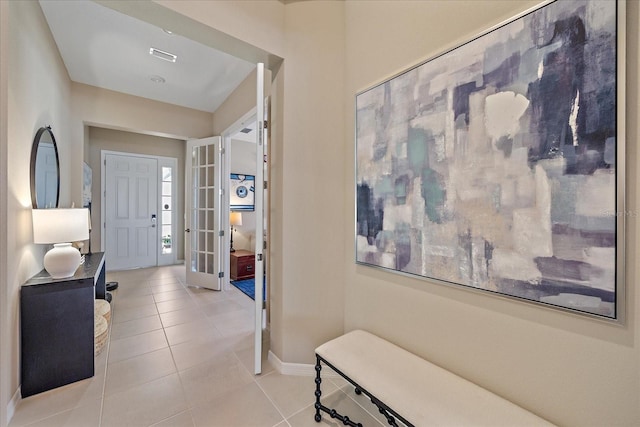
x,y
499,165
87,179
242,192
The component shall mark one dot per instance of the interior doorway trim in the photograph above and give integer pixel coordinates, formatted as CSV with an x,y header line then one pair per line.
x,y
162,161
224,220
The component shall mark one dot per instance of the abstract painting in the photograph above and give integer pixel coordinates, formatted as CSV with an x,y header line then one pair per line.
x,y
496,165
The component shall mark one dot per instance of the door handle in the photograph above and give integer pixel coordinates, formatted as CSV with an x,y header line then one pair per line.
x,y
153,220
188,230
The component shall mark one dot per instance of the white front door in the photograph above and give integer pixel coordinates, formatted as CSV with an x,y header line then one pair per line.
x,y
203,213
131,216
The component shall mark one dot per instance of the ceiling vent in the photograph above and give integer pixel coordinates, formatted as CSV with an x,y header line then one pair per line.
x,y
162,54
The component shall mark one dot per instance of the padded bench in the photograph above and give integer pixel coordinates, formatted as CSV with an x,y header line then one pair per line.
x,y
411,390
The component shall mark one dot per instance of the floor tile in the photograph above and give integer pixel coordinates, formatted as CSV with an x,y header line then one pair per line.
x,y
246,357
131,291
207,297
86,415
178,317
135,301
145,404
135,327
167,287
190,331
124,314
171,295
52,402
341,403
197,290
222,307
136,345
192,353
244,301
178,304
208,380
290,393
244,407
139,370
183,419
156,282
230,324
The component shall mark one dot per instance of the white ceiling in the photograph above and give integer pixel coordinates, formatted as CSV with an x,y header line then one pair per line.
x,y
105,48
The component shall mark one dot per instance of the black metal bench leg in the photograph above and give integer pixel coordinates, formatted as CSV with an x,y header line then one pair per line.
x,y
318,405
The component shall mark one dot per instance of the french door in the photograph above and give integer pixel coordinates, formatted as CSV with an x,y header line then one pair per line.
x,y
203,213
207,209
259,210
130,207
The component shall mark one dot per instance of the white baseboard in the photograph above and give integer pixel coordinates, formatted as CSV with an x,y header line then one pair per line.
x,y
13,405
300,369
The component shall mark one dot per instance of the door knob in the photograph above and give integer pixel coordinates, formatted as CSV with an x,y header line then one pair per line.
x,y
188,230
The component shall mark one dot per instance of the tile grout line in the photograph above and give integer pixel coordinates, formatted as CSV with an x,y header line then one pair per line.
x,y
106,362
168,346
108,349
255,379
175,365
208,321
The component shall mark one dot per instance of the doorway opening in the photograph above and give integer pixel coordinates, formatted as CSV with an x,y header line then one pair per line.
x,y
247,159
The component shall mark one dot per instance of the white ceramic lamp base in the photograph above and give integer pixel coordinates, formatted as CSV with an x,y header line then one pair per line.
x,y
62,261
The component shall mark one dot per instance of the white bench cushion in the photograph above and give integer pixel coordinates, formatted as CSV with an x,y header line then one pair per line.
x,y
423,393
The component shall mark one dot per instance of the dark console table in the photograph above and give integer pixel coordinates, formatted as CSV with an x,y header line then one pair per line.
x,y
56,325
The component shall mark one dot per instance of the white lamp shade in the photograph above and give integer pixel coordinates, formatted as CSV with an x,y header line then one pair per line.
x,y
60,225
235,218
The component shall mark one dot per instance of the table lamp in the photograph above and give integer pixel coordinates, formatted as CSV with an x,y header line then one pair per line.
x,y
235,218
60,227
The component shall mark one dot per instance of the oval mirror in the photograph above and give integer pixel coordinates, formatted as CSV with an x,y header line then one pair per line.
x,y
45,170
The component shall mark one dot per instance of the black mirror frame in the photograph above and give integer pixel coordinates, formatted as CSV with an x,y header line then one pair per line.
x,y
34,155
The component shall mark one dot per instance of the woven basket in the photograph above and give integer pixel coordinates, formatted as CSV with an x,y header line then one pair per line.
x,y
103,308
101,332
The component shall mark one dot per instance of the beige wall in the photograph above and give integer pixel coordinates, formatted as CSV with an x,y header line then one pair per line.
x,y
256,22
137,125
312,182
5,321
241,101
135,143
569,369
113,110
37,94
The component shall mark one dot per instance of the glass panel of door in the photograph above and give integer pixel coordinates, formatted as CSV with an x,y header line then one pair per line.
x,y
203,209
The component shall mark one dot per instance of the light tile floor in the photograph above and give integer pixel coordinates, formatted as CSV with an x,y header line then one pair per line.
x,y
183,356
